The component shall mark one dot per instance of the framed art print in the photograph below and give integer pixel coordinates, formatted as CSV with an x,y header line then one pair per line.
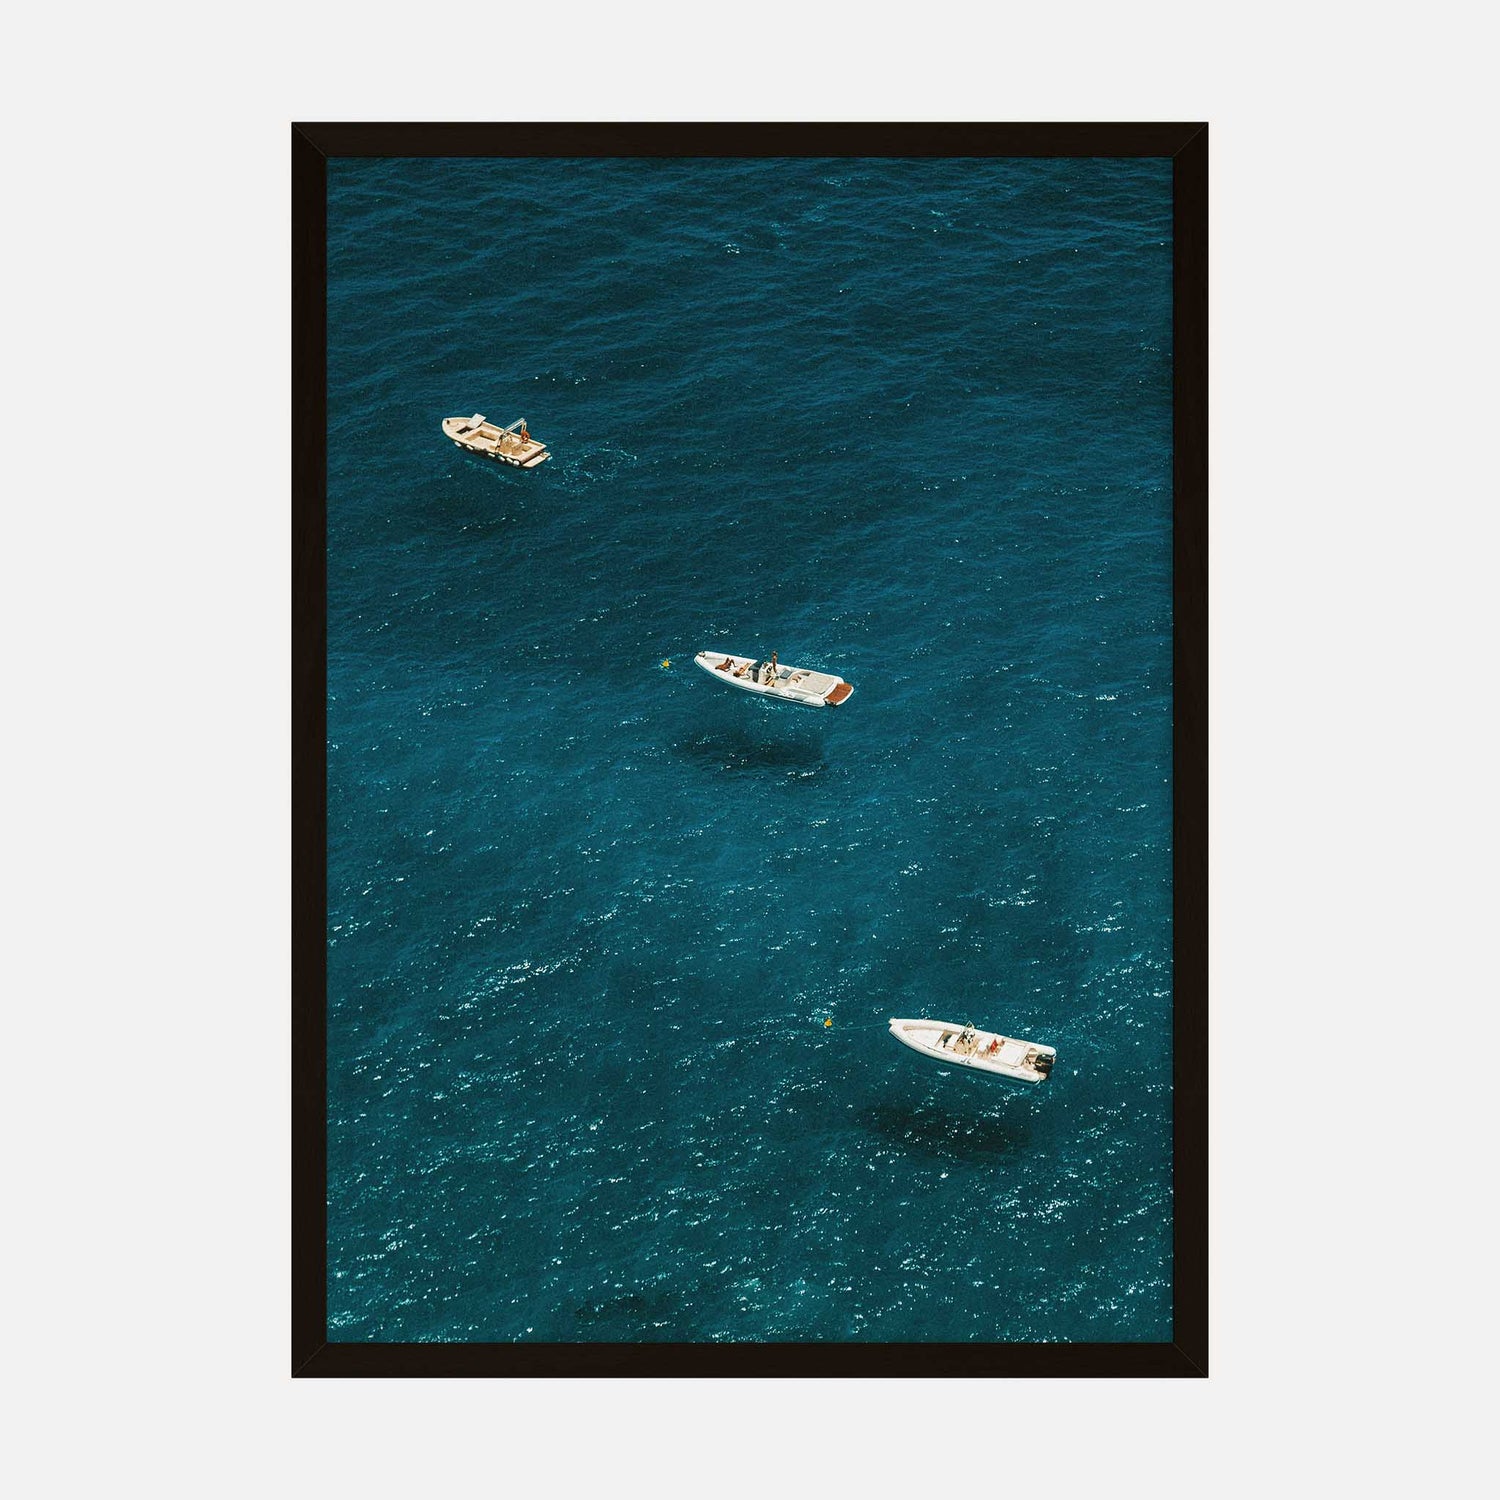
x,y
750,763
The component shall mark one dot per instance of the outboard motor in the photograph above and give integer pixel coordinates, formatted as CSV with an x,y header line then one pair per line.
x,y
1044,1061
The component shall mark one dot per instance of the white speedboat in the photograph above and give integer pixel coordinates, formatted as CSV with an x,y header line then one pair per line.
x,y
771,680
983,1051
512,445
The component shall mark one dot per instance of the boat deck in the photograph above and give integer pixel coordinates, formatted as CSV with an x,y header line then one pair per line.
x,y
824,684
510,445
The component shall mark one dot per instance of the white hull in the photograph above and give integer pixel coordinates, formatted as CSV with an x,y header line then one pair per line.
x,y
504,444
790,684
959,1046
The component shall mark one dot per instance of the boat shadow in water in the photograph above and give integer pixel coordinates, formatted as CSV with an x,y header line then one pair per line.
x,y
739,750
966,1133
630,1316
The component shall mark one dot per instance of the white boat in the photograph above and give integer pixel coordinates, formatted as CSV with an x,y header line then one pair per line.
x,y
512,445
770,680
983,1051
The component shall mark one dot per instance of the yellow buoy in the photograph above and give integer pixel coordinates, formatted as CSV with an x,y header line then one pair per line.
x,y
829,1021
667,661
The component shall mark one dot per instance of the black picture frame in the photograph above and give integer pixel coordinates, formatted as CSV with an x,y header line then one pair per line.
x,y
313,1354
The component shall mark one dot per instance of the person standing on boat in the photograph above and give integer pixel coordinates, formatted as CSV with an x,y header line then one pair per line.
x,y
771,668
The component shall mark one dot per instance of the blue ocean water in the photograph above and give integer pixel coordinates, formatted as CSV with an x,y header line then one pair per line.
x,y
907,421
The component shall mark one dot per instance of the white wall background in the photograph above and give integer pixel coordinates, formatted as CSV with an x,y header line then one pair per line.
x,y
145,609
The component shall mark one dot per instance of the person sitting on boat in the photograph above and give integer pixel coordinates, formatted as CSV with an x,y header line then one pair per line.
x,y
726,665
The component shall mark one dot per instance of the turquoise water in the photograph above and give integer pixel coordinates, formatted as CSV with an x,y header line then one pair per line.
x,y
908,422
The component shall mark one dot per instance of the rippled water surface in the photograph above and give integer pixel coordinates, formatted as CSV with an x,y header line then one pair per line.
x,y
588,915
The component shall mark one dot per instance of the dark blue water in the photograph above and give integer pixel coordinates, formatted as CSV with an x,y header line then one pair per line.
x,y
905,421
